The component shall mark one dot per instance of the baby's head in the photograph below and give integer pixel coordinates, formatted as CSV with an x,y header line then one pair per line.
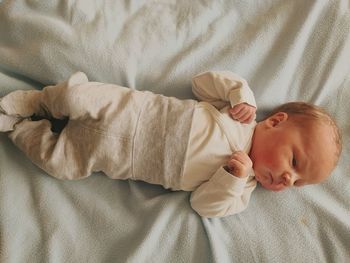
x,y
298,144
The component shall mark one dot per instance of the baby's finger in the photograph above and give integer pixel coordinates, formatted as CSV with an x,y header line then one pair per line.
x,y
238,156
234,164
243,115
236,109
249,118
237,168
242,157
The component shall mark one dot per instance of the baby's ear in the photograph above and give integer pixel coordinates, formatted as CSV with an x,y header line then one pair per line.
x,y
276,119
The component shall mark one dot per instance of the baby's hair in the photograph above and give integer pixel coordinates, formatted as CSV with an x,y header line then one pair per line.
x,y
313,113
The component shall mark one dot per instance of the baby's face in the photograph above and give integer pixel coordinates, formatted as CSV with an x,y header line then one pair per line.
x,y
285,155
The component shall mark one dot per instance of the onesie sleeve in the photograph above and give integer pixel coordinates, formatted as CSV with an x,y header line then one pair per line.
x,y
221,88
223,195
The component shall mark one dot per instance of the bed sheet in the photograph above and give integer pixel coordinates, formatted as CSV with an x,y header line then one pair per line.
x,y
287,50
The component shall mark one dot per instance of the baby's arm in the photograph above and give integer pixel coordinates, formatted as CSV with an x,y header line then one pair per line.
x,y
222,87
228,191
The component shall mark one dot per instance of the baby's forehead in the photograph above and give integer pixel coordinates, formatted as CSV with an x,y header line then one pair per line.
x,y
320,151
316,169
318,176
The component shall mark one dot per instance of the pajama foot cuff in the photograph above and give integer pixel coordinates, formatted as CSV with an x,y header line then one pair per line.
x,y
7,123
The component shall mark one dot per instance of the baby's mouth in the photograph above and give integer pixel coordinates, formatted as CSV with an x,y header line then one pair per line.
x,y
270,178
265,179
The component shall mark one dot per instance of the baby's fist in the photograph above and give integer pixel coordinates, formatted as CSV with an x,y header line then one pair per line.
x,y
239,164
243,113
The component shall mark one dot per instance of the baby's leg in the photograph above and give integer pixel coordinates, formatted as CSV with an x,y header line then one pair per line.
x,y
7,123
17,106
52,101
92,109
57,154
22,103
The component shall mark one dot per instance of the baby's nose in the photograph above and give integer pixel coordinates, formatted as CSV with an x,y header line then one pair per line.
x,y
287,179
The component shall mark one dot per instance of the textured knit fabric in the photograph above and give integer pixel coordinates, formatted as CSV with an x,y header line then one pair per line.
x,y
214,137
136,135
124,133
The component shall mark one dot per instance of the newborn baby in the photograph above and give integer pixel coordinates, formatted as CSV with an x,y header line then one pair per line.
x,y
212,147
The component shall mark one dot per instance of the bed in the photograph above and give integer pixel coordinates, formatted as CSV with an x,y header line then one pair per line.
x,y
287,50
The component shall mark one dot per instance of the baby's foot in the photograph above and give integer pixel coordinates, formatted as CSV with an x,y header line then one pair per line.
x,y
7,123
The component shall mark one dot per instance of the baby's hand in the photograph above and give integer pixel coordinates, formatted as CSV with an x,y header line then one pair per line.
x,y
239,164
243,113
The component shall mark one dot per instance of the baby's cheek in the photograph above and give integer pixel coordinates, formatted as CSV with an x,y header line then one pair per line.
x,y
270,160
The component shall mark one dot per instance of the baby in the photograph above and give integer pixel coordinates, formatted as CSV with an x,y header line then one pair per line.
x,y
213,148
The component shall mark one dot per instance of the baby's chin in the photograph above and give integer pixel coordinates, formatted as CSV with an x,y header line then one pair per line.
x,y
273,189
